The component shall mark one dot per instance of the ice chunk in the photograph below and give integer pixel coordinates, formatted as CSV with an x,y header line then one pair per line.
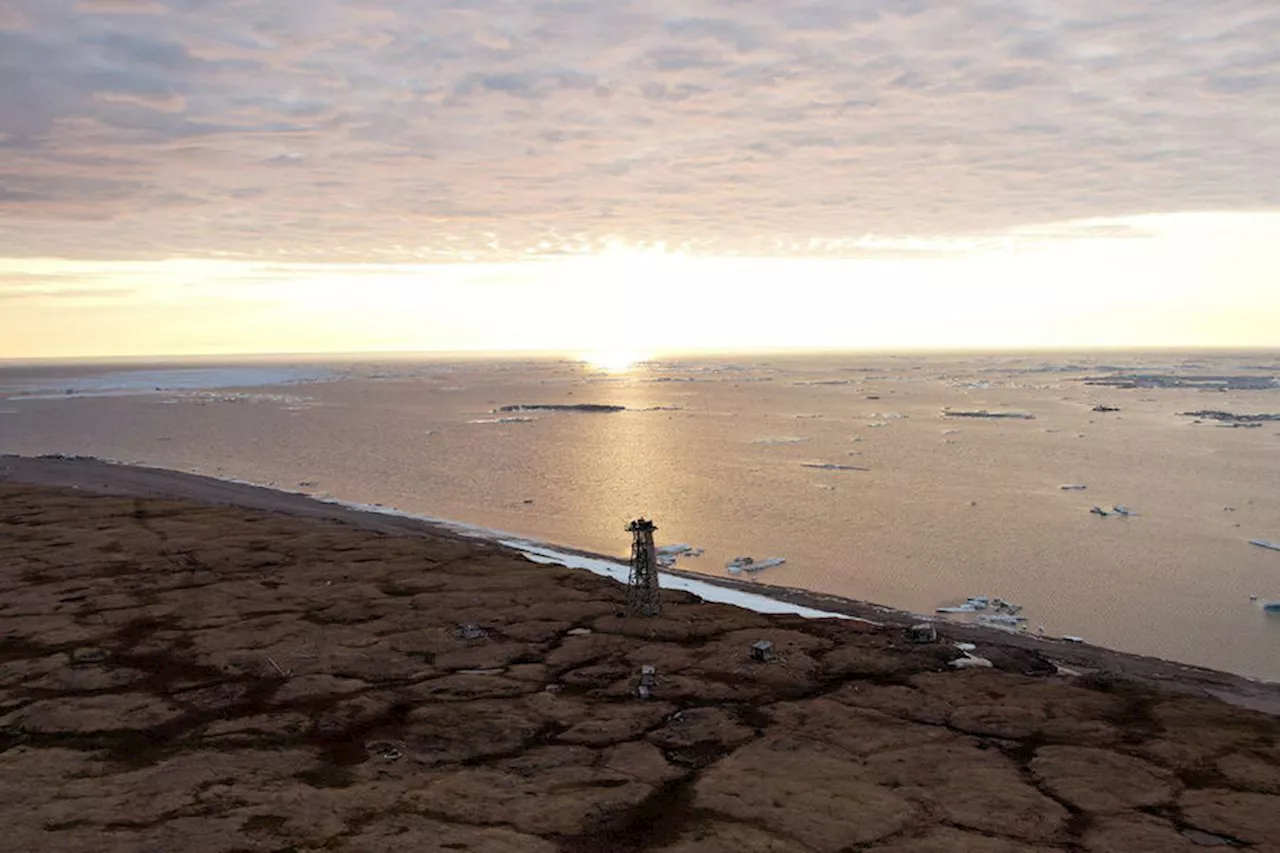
x,y
1001,619
749,564
831,466
970,661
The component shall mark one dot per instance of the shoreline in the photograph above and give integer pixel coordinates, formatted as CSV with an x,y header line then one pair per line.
x,y
129,480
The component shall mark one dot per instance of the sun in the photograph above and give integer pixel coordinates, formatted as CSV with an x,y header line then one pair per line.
x,y
614,361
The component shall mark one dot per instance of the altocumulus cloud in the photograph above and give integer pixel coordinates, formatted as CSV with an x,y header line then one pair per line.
x,y
420,130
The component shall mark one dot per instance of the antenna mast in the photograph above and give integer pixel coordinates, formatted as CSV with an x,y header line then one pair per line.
x,y
643,597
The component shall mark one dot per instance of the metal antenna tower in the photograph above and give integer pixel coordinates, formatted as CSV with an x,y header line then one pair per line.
x,y
643,597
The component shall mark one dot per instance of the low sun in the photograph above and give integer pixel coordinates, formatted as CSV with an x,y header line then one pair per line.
x,y
614,361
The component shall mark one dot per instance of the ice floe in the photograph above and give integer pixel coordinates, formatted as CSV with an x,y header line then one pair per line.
x,y
831,466
749,564
668,554
121,383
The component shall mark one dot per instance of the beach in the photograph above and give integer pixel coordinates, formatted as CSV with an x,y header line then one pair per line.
x,y
209,666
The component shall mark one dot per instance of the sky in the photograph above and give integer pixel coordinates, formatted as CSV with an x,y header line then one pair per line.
x,y
236,176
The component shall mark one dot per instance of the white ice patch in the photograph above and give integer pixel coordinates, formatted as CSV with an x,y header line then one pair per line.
x,y
702,589
122,383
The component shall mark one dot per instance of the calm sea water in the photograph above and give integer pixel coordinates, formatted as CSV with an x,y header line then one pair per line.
x,y
915,508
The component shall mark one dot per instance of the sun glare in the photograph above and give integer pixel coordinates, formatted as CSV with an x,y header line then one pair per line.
x,y
614,361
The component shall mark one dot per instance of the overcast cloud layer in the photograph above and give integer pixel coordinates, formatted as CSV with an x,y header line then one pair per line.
x,y
430,130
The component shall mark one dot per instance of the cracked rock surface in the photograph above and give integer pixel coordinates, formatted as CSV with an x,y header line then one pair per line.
x,y
189,677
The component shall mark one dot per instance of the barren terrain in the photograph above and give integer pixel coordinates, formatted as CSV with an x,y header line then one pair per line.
x,y
178,675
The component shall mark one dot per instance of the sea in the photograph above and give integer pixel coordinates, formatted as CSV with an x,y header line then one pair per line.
x,y
1123,498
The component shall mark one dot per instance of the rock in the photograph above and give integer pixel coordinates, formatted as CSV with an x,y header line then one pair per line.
x,y
85,714
257,727
1251,818
858,732
411,832
947,840
86,678
896,700
701,728
642,762
1003,721
723,837
548,800
305,687
1250,771
970,787
611,723
1101,781
797,789
1134,832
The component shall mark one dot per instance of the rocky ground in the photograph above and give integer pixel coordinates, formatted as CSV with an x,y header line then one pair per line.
x,y
179,676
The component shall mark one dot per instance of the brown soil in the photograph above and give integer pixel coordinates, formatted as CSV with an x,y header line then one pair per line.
x,y
178,675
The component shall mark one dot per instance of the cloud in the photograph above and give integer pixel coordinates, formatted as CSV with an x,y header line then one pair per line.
x,y
426,130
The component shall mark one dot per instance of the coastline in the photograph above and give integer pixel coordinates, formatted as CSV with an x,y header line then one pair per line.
x,y
184,674
107,477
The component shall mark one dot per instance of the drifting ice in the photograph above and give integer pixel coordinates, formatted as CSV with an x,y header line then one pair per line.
x,y
668,554
747,564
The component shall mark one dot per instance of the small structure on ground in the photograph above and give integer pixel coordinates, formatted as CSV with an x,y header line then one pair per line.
x,y
643,595
470,632
924,632
648,680
762,651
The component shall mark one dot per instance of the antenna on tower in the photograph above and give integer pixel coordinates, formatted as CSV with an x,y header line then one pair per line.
x,y
643,597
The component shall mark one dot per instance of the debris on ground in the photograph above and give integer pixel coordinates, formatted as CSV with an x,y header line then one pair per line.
x,y
1073,487
762,651
470,632
1265,543
971,661
648,680
923,632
